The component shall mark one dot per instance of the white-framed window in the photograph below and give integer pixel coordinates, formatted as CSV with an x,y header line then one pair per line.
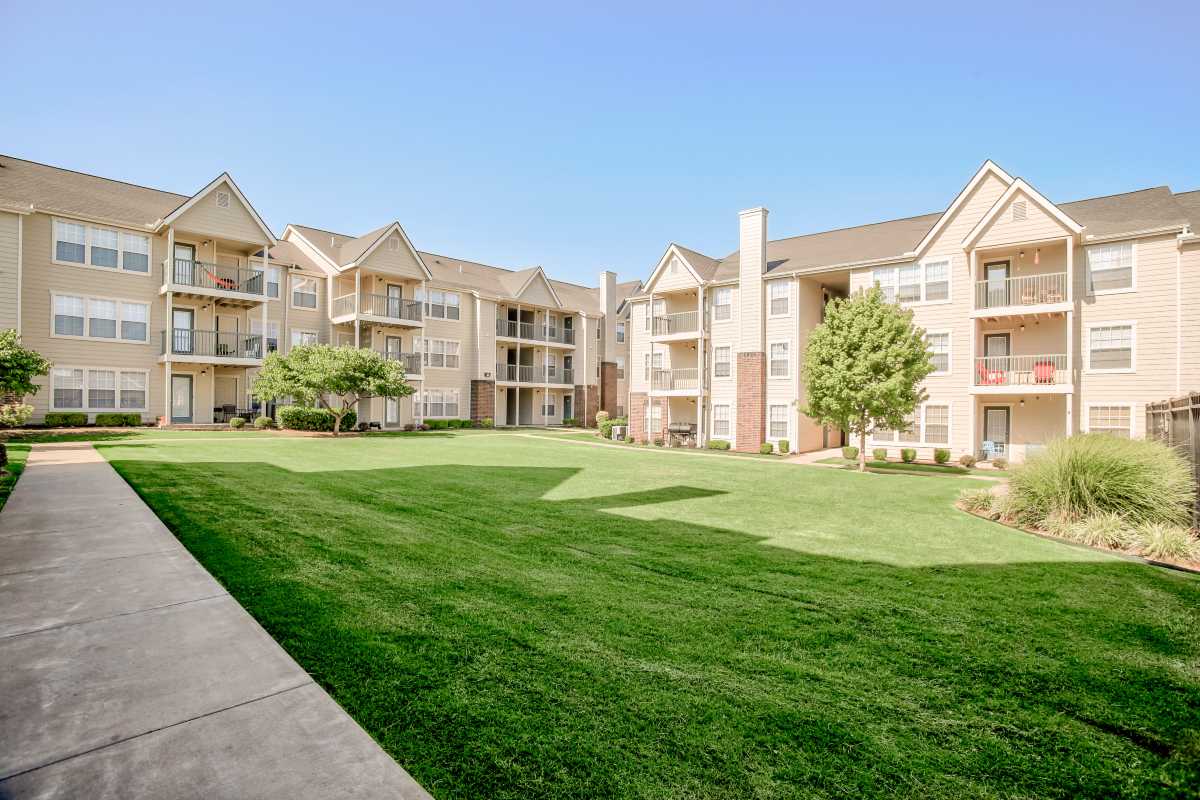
x,y
548,406
441,403
721,421
441,353
927,425
656,309
910,430
620,361
655,415
98,389
939,351
655,363
937,280
441,304
1111,268
273,282
777,295
937,424
551,364
271,334
1114,418
885,279
303,337
100,318
927,282
722,303
777,422
620,333
722,362
908,283
104,248
1111,347
135,252
778,360
304,292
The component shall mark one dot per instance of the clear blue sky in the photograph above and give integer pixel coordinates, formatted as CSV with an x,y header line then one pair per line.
x,y
581,140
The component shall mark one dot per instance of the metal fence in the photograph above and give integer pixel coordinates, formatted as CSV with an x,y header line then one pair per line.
x,y
1177,423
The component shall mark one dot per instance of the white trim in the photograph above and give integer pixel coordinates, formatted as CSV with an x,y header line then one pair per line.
x,y
1087,346
87,247
1019,185
1086,425
20,266
85,408
919,414
949,334
292,336
924,266
292,278
713,305
1087,268
442,392
224,176
730,362
118,339
538,271
787,283
988,168
393,228
920,266
787,421
787,375
672,250
424,351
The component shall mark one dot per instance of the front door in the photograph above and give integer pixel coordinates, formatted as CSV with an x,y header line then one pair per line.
x,y
567,402
393,346
182,324
996,275
997,429
185,264
394,295
391,411
181,398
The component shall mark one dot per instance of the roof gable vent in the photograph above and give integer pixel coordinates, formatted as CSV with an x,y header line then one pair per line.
x,y
394,243
1019,211
222,199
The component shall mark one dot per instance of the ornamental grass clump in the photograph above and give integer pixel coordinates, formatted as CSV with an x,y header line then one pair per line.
x,y
1158,540
1081,476
1104,529
977,501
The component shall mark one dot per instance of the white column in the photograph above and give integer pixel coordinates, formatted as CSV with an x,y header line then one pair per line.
x,y
167,391
169,264
972,400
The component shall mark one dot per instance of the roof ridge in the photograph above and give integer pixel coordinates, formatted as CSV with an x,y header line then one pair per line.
x,y
864,225
509,270
97,177
1114,194
325,230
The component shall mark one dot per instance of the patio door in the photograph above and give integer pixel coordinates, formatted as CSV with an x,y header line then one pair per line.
x,y
185,264
391,411
393,346
181,398
567,403
183,323
227,336
997,430
996,275
395,293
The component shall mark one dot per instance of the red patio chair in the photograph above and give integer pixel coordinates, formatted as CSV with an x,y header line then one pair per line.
x,y
1043,372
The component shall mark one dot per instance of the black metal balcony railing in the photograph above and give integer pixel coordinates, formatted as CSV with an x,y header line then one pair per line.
x,y
202,275
382,305
528,373
214,344
411,361
534,332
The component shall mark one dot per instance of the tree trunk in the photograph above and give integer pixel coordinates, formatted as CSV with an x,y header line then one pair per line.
x,y
337,423
862,447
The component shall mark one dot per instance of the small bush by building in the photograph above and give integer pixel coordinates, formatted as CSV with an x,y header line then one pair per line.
x,y
303,418
718,444
237,423
118,419
908,455
967,460
879,454
784,447
941,455
766,449
264,423
849,453
65,419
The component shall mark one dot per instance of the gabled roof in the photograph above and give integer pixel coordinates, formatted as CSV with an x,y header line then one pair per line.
x,y
989,167
699,265
1190,203
1019,186
224,177
356,251
1131,212
518,282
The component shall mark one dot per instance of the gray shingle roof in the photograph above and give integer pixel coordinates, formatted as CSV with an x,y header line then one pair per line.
x,y
24,183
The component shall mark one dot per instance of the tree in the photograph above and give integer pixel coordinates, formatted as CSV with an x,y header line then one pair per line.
x,y
335,377
18,368
864,365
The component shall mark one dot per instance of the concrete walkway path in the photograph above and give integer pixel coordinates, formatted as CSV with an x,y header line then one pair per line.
x,y
126,671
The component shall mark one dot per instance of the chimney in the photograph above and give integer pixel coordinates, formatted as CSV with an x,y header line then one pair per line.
x,y
752,263
608,302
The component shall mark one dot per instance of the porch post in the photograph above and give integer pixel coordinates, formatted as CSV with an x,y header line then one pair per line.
x,y
167,391
972,400
169,264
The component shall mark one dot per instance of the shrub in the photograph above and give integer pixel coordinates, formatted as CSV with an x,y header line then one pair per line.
x,y
1000,463
718,444
14,414
117,420
237,423
65,419
568,422
1168,542
784,446
409,428
849,453
3,456
658,442
263,423
766,449
1059,523
437,425
908,455
304,418
1088,474
607,425
879,454
1104,529
601,418
424,426
941,455
978,501
488,422
967,460
628,439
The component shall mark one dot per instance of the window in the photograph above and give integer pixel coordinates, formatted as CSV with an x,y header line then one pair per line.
x,y
656,363
272,281
779,360
441,403
721,364
441,353
302,337
1110,267
909,284
620,369
720,420
551,364
101,318
777,292
937,424
885,279
271,334
910,431
722,303
304,292
97,389
620,333
1110,347
440,304
655,414
104,248
1114,419
937,280
548,406
657,309
939,352
778,422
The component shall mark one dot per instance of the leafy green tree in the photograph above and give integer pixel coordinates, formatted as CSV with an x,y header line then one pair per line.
x,y
334,377
18,368
864,366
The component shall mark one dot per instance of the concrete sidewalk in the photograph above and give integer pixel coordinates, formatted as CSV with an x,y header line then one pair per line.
x,y
126,671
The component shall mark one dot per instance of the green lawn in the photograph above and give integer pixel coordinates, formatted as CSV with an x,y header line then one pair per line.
x,y
18,454
519,617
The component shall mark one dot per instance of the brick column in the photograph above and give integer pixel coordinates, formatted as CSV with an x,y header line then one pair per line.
x,y
608,387
637,416
579,407
661,432
483,400
592,404
751,428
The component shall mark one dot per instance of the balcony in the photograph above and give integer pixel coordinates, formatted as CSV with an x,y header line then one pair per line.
x,y
679,381
685,324
213,280
533,332
210,347
1047,374
376,308
540,375
411,362
1025,294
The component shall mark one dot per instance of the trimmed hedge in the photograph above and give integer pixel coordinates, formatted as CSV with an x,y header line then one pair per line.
x,y
849,453
879,454
766,449
607,425
303,418
967,460
941,455
264,422
785,447
718,444
908,455
237,423
115,420
66,419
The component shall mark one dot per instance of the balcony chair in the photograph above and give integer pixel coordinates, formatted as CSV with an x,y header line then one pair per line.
x,y
1044,372
991,377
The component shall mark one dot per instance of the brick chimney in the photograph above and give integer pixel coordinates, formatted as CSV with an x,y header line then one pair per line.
x,y
608,356
751,428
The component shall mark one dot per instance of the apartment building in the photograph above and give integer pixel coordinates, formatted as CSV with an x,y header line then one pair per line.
x,y
165,305
1043,320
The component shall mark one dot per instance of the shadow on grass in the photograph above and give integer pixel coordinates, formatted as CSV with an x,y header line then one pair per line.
x,y
502,645
49,436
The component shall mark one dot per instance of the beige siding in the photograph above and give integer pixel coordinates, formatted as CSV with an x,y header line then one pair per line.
x,y
1038,224
10,234
399,261
206,217
674,277
538,293
1189,278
